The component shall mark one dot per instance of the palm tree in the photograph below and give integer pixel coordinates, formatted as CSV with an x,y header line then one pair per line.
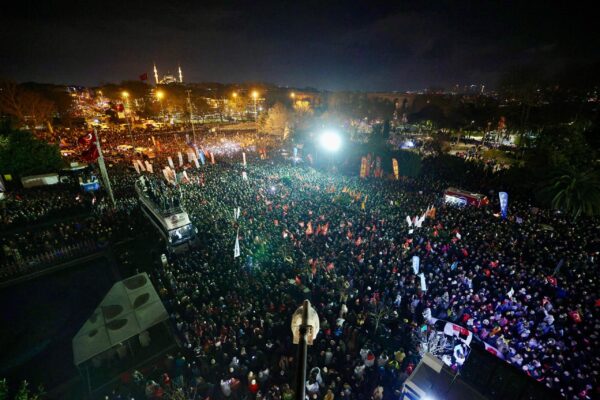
x,y
574,191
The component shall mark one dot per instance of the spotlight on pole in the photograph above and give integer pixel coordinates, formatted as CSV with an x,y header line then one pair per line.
x,y
330,141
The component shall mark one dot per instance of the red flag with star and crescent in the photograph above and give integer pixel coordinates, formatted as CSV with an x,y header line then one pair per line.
x,y
87,139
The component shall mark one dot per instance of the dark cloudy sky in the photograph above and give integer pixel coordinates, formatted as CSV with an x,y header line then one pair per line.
x,y
354,45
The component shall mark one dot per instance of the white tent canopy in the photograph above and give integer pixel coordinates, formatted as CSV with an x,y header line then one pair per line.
x,y
129,308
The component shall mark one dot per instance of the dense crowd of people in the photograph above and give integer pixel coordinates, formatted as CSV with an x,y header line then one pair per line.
x,y
344,243
526,285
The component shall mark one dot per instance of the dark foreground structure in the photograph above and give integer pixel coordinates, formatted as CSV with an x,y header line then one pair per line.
x,y
483,377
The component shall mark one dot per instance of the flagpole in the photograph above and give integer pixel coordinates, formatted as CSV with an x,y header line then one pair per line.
x,y
103,171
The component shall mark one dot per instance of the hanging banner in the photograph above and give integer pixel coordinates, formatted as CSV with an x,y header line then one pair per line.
x,y
295,152
396,169
141,165
196,163
149,167
170,160
244,159
244,175
212,158
135,165
180,159
236,248
363,167
378,170
153,141
415,264
503,204
423,283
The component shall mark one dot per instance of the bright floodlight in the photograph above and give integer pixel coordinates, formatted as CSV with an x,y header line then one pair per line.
x,y
330,141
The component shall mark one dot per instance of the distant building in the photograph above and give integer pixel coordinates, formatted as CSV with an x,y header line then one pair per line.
x,y
168,78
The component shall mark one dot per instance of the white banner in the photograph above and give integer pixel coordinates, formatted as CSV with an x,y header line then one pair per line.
x,y
170,160
180,159
244,175
141,165
423,283
244,157
196,163
137,167
236,248
149,167
408,221
415,264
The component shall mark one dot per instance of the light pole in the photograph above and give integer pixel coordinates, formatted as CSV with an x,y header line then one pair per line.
x,y
159,95
234,108
305,327
125,95
255,97
191,116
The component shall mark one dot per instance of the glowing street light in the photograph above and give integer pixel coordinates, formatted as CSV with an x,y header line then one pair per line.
x,y
293,95
255,97
160,95
330,141
234,94
125,96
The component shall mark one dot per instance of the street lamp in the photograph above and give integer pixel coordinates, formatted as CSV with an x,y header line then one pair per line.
x,y
160,95
305,327
125,96
255,97
189,99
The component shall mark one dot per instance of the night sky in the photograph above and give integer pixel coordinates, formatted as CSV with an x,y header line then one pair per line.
x,y
391,45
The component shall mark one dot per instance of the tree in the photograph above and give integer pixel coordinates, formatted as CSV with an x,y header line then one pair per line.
x,y
409,163
574,191
381,312
22,154
24,393
25,105
276,121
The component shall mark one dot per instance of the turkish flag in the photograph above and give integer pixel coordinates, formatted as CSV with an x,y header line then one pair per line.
x,y
91,154
144,76
87,139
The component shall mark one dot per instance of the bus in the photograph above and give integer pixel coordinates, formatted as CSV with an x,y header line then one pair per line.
x,y
463,198
172,223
